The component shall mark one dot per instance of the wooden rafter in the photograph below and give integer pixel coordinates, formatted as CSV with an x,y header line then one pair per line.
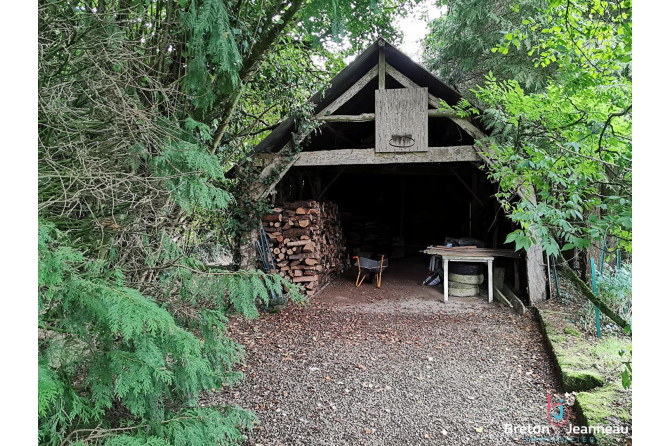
x,y
358,86
409,83
345,157
365,117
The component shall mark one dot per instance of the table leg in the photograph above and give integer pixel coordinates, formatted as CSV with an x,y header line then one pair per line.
x,y
445,267
490,280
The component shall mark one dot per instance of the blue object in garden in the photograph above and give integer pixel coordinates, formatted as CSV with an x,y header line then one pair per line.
x,y
552,258
595,291
602,256
265,253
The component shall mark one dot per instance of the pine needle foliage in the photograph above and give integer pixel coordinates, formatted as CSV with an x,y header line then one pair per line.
x,y
458,47
105,347
214,60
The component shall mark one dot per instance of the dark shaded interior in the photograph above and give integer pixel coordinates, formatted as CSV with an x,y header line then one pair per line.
x,y
420,203
398,210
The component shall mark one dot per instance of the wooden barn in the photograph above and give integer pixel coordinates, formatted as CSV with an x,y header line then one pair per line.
x,y
396,166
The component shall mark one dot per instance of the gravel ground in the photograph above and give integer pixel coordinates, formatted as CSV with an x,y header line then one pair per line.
x,y
391,366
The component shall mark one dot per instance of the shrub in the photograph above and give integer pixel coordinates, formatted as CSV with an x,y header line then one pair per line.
x,y
116,367
615,288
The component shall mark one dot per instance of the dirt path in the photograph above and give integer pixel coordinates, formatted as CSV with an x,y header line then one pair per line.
x,y
392,366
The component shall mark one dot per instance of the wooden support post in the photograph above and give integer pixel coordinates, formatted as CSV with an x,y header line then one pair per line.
x,y
490,280
382,65
445,266
325,189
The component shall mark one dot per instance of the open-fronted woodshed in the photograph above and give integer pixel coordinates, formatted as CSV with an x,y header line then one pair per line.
x,y
404,173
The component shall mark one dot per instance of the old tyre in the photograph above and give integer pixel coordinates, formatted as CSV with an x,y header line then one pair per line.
x,y
460,285
467,279
466,269
471,291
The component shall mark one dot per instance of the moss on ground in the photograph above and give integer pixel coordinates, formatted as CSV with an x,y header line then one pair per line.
x,y
572,331
606,352
575,358
600,404
593,369
579,381
603,407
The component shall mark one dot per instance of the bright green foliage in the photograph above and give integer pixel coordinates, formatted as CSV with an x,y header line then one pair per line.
x,y
627,373
104,346
190,175
458,47
359,21
571,142
214,60
615,288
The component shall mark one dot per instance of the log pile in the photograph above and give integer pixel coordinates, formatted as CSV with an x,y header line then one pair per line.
x,y
307,242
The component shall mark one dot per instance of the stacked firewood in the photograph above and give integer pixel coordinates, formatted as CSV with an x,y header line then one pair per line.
x,y
307,242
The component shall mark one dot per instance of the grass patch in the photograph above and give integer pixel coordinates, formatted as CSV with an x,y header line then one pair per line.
x,y
606,402
609,405
606,352
570,330
579,381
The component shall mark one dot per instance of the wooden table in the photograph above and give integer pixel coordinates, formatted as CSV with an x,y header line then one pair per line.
x,y
462,258
469,255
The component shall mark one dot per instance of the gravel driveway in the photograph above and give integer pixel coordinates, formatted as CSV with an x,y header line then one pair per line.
x,y
391,366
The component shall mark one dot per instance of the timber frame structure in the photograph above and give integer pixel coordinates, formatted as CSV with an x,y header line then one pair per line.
x,y
351,132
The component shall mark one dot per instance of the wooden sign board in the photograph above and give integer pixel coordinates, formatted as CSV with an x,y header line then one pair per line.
x,y
401,120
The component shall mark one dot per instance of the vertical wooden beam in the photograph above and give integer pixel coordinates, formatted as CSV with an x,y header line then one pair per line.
x,y
382,65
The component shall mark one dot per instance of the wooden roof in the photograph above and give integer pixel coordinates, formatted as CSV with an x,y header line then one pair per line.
x,y
355,71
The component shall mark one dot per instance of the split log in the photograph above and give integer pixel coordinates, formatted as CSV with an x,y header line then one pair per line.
x,y
305,255
271,218
299,243
305,279
296,232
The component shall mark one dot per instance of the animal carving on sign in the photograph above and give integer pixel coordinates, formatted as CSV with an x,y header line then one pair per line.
x,y
404,141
